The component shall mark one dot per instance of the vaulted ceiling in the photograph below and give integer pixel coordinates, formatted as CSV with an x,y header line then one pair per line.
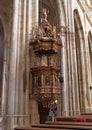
x,y
87,7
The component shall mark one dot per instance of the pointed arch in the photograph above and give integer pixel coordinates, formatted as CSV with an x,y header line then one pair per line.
x,y
81,63
78,24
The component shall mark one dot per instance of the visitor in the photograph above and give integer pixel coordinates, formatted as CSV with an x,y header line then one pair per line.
x,y
54,108
51,115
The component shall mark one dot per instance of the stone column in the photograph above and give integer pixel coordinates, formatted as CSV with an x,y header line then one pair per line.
x,y
27,61
12,73
74,66
20,67
62,104
67,63
64,84
90,66
33,102
4,88
69,53
74,76
84,102
69,73
35,118
87,71
72,63
21,63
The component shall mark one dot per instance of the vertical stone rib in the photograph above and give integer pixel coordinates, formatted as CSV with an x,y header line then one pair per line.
x,y
27,63
79,69
21,62
90,55
79,66
17,64
87,66
82,73
4,86
87,73
64,85
69,72
76,109
71,53
12,74
33,102
72,75
70,89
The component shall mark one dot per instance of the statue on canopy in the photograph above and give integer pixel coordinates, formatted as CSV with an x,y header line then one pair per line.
x,y
44,16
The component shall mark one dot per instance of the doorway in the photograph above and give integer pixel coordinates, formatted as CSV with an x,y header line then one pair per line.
x,y
43,112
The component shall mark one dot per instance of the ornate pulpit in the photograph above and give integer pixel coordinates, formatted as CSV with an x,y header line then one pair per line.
x,y
46,42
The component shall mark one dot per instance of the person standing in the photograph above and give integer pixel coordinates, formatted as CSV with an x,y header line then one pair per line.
x,y
51,115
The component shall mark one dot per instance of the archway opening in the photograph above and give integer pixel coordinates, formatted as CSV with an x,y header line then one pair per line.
x,y
81,64
43,112
79,40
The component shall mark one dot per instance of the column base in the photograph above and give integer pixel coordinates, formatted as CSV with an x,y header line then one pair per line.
x,y
13,121
35,119
65,113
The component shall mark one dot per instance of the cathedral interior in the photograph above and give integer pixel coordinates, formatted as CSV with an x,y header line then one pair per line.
x,y
45,62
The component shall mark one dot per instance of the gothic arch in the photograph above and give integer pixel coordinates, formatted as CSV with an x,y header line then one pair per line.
x,y
81,63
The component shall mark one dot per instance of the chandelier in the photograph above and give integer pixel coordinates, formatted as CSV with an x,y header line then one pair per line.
x,y
46,42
